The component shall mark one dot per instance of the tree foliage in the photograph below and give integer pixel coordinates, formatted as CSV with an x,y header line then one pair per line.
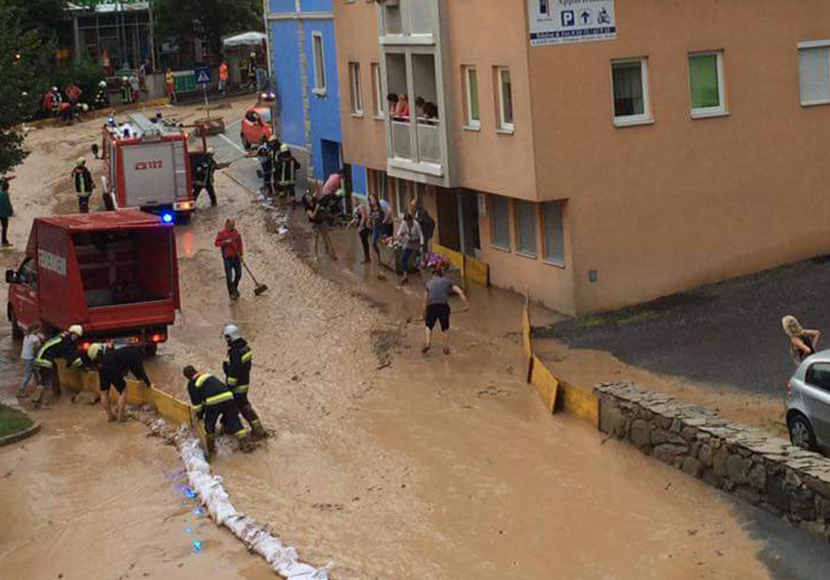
x,y
23,57
208,20
48,17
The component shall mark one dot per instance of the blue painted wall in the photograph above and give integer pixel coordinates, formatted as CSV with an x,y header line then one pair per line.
x,y
284,45
324,110
360,179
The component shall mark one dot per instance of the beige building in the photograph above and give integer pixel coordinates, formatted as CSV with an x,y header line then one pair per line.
x,y
600,153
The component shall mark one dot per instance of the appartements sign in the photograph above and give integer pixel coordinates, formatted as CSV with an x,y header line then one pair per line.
x,y
566,21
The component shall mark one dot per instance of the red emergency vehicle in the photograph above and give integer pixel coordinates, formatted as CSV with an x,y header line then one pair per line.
x,y
147,166
114,273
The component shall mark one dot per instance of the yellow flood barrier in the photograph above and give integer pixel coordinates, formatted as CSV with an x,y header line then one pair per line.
x,y
470,268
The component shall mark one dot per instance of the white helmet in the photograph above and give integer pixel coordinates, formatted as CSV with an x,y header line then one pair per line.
x,y
94,350
77,330
102,84
54,89
231,333
80,163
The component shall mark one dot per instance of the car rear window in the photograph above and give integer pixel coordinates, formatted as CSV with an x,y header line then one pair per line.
x,y
266,115
818,375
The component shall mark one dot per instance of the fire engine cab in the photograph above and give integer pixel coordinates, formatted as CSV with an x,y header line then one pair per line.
x,y
147,167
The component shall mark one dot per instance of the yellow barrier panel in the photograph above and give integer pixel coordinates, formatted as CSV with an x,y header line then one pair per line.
x,y
476,271
527,346
545,383
453,257
580,402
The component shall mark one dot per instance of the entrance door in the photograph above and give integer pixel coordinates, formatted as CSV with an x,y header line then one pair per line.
x,y
448,232
331,157
468,223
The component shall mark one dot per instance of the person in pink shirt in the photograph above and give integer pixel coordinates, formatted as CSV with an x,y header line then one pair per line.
x,y
333,183
403,107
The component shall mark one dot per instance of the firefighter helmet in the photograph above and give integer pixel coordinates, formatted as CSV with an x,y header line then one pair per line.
x,y
102,84
80,162
95,350
231,333
285,148
77,330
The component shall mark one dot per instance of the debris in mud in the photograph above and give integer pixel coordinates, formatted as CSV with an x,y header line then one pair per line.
x,y
385,344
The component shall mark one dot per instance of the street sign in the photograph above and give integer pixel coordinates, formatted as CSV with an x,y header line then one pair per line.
x,y
566,21
202,74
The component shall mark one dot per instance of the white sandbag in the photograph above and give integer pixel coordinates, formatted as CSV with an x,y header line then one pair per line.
x,y
208,487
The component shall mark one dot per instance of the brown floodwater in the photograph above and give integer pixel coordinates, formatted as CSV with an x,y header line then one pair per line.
x,y
387,463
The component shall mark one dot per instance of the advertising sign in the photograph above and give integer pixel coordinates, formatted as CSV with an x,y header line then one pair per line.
x,y
567,21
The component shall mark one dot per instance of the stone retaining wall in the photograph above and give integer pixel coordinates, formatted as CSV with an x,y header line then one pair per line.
x,y
756,467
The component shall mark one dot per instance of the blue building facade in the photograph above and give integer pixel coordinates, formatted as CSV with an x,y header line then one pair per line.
x,y
304,64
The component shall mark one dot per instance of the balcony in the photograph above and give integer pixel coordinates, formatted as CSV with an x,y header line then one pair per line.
x,y
409,22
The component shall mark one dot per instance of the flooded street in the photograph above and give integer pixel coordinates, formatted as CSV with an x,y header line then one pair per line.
x,y
387,463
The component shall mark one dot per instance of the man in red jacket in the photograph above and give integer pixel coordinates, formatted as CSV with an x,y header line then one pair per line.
x,y
230,243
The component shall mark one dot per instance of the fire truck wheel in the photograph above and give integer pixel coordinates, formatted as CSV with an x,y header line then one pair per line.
x,y
17,332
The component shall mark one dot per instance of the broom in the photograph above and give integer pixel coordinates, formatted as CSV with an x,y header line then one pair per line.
x,y
260,288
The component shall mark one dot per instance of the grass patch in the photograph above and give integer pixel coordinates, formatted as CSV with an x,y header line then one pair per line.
x,y
636,317
593,321
12,421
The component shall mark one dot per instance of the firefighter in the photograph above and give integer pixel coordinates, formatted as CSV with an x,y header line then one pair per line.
x,y
212,400
113,366
204,177
83,184
126,91
250,71
238,372
57,102
266,161
102,97
286,172
61,346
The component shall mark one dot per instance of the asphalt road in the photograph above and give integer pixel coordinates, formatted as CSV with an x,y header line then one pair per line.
x,y
728,333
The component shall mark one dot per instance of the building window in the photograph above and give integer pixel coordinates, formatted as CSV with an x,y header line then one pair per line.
x,y
354,84
401,196
630,80
471,83
814,72
319,64
377,91
500,222
554,226
525,227
505,100
706,84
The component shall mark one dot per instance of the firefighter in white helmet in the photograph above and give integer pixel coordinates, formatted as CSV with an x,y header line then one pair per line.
x,y
83,184
63,346
238,372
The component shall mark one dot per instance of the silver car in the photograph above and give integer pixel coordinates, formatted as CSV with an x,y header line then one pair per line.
x,y
808,403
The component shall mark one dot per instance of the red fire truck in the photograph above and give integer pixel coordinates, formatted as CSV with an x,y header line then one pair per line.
x,y
147,166
114,273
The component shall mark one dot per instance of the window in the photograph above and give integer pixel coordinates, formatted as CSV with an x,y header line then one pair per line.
x,y
505,100
706,84
401,196
630,81
818,375
354,84
319,64
377,92
525,227
500,220
554,224
814,72
471,82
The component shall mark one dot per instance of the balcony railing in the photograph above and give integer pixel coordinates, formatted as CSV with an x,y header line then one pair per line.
x,y
401,144
429,142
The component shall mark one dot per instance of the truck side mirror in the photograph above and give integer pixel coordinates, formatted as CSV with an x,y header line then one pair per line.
x,y
11,277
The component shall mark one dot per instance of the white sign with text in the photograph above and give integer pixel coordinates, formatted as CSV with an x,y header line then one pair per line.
x,y
567,21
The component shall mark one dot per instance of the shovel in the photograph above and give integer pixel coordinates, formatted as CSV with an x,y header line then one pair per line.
x,y
260,288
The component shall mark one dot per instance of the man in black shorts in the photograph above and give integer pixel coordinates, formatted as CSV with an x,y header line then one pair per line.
x,y
437,307
113,366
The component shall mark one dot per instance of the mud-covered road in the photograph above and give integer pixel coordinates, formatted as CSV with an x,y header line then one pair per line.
x,y
389,464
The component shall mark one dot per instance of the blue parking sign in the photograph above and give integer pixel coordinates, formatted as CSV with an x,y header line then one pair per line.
x,y
202,74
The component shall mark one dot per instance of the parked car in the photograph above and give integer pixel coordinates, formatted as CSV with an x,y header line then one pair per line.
x,y
256,126
808,403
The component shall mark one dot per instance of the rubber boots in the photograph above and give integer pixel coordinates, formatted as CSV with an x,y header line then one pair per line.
x,y
251,417
210,440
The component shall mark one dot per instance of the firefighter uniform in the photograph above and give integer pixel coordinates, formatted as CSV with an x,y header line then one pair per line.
x,y
61,346
212,400
83,185
266,162
286,172
57,102
203,178
102,97
238,372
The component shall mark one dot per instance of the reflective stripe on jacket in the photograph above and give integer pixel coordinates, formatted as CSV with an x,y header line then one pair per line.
x,y
206,390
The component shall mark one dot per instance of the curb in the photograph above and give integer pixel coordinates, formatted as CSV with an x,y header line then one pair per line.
x,y
20,435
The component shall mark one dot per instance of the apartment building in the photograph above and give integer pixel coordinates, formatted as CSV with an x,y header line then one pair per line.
x,y
304,64
600,153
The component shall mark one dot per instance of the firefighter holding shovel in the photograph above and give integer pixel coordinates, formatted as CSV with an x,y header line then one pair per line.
x,y
212,401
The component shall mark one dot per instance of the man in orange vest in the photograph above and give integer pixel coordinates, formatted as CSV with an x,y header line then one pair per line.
x,y
223,77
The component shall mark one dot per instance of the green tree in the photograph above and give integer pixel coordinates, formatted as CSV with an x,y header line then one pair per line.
x,y
208,20
49,17
23,55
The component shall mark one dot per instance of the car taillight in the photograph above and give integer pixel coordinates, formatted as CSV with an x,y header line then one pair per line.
x,y
157,338
85,346
789,390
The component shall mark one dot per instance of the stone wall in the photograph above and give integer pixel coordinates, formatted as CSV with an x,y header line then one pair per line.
x,y
756,467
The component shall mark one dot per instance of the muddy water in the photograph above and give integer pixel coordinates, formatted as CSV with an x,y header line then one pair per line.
x,y
389,464
588,367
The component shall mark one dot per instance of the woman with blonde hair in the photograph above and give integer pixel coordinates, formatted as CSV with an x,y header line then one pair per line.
x,y
803,342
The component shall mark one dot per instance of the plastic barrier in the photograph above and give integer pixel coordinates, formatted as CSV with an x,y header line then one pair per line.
x,y
555,392
470,268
